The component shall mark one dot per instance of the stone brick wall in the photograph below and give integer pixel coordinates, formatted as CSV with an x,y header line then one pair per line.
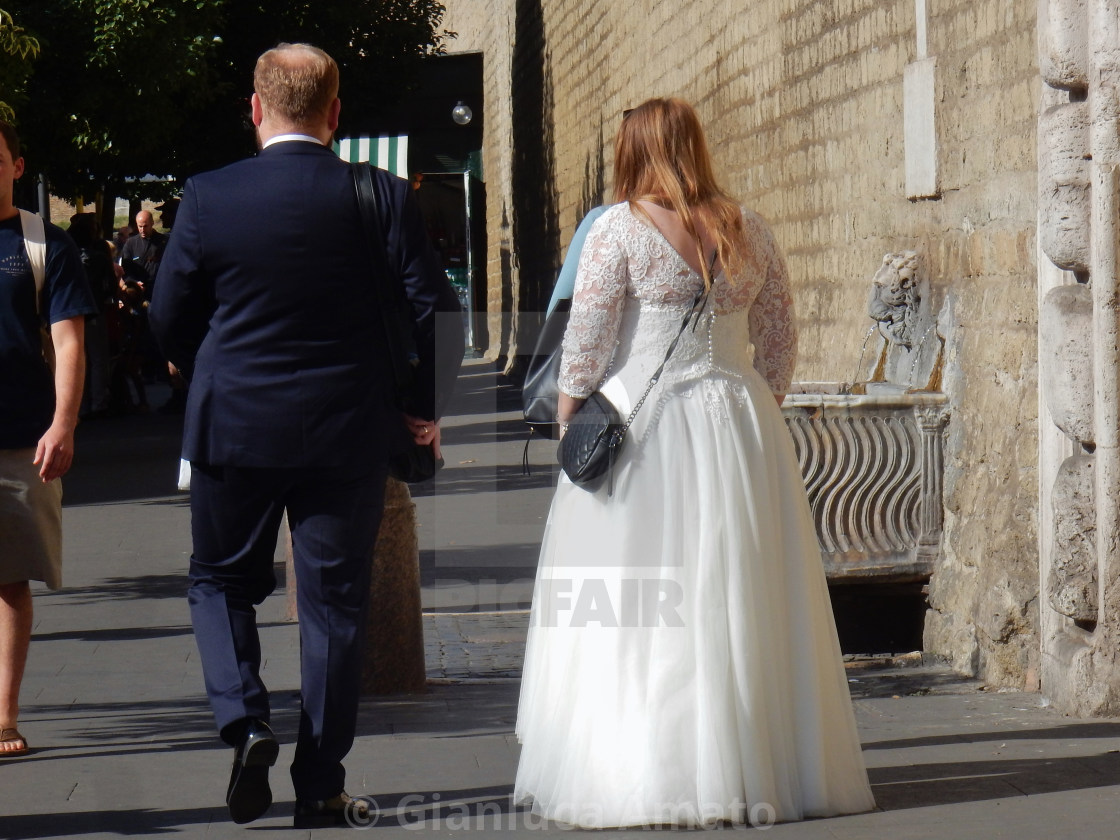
x,y
804,107
981,235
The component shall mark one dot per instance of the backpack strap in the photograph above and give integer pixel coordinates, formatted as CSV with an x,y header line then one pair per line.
x,y
35,241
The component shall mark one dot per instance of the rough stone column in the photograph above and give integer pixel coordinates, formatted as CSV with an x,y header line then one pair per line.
x,y
395,634
1079,228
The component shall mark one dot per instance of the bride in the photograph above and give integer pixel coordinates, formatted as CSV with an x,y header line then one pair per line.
x,y
682,666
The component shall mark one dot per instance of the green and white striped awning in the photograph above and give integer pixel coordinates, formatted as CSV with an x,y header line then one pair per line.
x,y
389,153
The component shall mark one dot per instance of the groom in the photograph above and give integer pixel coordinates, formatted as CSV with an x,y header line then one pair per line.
x,y
267,301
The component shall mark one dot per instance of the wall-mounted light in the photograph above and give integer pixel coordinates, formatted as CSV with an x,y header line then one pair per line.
x,y
461,114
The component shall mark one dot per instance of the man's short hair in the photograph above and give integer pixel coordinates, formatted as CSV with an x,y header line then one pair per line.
x,y
296,82
11,138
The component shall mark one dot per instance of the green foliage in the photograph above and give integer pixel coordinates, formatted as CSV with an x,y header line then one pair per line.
x,y
17,49
128,88
14,41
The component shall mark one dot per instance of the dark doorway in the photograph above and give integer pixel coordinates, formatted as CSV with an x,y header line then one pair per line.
x,y
879,617
454,206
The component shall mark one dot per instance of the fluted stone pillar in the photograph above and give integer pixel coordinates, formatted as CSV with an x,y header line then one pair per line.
x,y
932,421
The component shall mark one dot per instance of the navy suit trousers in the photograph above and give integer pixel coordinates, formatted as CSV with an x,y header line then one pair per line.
x,y
334,514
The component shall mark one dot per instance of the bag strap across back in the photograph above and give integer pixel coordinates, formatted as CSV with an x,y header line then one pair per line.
x,y
383,276
696,310
35,241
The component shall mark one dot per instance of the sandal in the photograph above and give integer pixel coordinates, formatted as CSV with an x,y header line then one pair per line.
x,y
10,735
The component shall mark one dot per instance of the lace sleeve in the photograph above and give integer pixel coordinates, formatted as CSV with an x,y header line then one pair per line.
x,y
773,331
597,304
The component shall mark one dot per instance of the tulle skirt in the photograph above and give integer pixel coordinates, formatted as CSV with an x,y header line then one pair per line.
x,y
682,666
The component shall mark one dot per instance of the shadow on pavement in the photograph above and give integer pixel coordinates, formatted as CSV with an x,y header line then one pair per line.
x,y
125,458
921,785
489,431
136,587
1072,732
867,683
458,480
114,634
482,389
499,564
130,634
445,711
139,822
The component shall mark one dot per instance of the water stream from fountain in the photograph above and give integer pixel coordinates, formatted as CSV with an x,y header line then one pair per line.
x,y
918,355
847,389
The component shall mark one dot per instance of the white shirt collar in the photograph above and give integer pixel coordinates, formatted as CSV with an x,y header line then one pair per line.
x,y
284,138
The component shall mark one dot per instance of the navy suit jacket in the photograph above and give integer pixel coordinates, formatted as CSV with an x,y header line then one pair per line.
x,y
266,301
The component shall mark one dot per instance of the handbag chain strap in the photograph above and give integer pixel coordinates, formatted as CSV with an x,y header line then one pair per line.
x,y
697,309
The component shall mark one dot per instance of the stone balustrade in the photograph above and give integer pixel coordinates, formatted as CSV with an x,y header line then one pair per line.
x,y
872,465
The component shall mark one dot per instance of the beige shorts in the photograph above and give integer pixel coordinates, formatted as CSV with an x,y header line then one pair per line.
x,y
30,521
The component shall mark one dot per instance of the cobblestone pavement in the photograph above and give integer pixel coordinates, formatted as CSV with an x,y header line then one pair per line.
x,y
479,646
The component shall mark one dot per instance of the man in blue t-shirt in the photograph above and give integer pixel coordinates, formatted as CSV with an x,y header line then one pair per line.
x,y
38,415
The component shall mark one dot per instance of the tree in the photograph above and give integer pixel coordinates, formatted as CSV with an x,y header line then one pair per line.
x,y
375,42
17,49
128,88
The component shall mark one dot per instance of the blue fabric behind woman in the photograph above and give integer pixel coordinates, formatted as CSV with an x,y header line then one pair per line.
x,y
566,282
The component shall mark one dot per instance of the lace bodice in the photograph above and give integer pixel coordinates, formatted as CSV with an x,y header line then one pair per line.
x,y
632,290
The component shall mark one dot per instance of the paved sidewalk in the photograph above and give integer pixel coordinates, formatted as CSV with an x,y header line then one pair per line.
x,y
123,738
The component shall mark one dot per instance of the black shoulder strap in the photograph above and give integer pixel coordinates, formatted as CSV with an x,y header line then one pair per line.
x,y
383,275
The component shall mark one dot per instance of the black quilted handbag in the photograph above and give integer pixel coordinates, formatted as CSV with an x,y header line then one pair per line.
x,y
593,443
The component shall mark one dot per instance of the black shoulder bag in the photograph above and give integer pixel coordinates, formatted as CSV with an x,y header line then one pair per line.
x,y
540,392
417,462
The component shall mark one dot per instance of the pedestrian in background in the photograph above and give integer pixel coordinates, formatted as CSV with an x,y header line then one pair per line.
x,y
97,261
121,237
38,415
143,252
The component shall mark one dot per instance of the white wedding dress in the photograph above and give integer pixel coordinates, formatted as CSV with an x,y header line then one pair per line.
x,y
682,665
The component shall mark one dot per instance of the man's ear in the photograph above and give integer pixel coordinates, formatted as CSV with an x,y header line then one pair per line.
x,y
17,168
332,114
258,111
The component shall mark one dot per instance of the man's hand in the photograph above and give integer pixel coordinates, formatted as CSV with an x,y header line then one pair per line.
x,y
55,452
424,432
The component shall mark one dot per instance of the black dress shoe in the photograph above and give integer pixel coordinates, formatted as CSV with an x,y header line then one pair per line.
x,y
339,810
249,795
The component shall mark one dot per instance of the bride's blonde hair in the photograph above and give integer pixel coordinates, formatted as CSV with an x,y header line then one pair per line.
x,y
660,155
